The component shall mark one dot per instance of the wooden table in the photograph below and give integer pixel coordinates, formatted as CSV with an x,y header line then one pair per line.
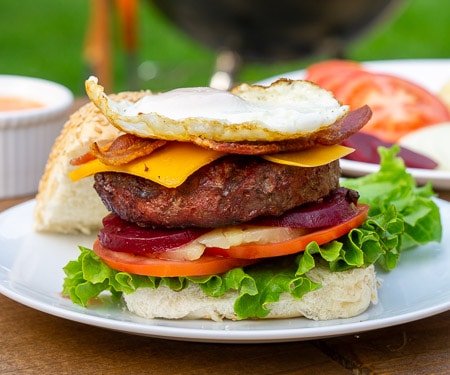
x,y
33,342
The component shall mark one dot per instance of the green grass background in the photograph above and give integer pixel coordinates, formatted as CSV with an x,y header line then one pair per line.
x,y
44,38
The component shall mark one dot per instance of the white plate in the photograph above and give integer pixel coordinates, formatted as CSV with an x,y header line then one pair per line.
x,y
31,274
432,74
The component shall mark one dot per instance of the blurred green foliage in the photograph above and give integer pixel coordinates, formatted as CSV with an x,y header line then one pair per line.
x,y
45,38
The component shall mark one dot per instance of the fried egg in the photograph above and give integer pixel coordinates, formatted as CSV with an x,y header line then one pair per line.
x,y
286,109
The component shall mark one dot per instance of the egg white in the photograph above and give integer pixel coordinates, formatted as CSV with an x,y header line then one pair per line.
x,y
286,109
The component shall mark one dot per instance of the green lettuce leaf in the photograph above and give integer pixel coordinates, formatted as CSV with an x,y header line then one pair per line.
x,y
393,186
401,217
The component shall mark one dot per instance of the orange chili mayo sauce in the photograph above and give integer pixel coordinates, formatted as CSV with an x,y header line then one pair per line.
x,y
15,103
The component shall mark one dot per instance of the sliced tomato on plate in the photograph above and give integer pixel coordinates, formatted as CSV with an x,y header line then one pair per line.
x,y
324,70
398,105
330,74
152,266
259,251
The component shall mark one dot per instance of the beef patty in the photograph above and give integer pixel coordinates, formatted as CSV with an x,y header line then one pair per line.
x,y
231,190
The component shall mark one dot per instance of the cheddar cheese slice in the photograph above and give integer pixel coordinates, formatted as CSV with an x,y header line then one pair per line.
x,y
311,157
172,164
169,166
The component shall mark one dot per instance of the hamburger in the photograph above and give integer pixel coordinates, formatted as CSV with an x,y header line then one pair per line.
x,y
216,204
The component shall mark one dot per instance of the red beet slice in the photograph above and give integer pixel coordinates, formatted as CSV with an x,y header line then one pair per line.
x,y
121,235
337,207
366,150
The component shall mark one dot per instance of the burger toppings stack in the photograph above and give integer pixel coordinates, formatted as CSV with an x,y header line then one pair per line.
x,y
234,192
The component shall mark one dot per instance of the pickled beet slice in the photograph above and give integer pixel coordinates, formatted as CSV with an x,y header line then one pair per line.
x,y
366,150
337,207
121,235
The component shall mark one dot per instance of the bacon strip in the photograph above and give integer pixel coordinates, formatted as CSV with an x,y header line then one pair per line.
x,y
333,134
82,159
126,148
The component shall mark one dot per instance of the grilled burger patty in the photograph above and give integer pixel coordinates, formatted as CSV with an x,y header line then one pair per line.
x,y
231,190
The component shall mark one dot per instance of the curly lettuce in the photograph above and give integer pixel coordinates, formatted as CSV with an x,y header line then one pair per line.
x,y
402,216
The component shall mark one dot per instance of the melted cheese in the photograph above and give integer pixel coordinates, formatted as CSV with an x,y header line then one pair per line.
x,y
171,165
312,157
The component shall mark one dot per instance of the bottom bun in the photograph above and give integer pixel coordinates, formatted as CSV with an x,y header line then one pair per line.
x,y
343,295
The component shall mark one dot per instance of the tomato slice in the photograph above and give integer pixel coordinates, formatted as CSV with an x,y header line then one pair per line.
x,y
152,266
323,70
120,235
330,74
398,105
259,251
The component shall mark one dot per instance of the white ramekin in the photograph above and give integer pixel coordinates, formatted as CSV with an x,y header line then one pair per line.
x,y
26,136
